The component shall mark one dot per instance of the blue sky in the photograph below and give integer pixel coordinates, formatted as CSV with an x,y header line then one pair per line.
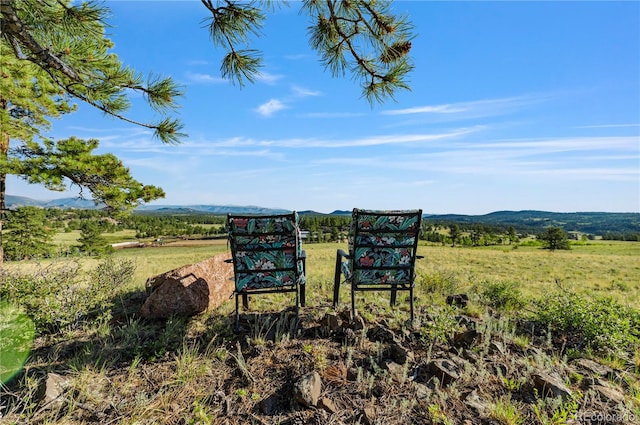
x,y
514,105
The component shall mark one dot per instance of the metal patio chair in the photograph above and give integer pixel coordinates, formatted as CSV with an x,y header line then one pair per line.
x,y
382,254
267,257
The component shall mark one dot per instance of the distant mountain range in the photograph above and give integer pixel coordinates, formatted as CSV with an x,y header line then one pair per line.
x,y
596,223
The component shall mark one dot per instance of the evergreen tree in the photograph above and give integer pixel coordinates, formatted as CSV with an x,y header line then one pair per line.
x,y
513,236
91,240
454,233
26,234
554,238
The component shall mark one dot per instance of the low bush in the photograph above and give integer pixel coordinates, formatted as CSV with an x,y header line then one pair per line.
x,y
60,295
502,296
599,323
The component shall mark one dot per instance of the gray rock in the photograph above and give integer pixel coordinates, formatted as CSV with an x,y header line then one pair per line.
x,y
445,370
381,334
399,353
476,403
548,385
331,321
594,367
306,390
54,388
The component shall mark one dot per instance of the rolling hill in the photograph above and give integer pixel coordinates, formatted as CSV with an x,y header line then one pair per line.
x,y
596,223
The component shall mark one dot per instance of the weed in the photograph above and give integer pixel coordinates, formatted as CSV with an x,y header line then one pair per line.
x,y
437,415
440,327
438,283
555,411
521,341
60,295
506,412
512,384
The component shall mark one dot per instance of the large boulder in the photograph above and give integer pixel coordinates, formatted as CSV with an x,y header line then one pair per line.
x,y
189,290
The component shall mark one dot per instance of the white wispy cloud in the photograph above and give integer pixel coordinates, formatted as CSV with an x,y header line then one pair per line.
x,y
197,62
297,57
304,92
375,140
609,126
268,78
437,109
271,107
473,109
200,78
575,158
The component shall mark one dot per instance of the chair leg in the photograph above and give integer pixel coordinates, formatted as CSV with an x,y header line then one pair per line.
x,y
236,326
245,301
298,306
336,282
411,303
303,292
353,303
394,295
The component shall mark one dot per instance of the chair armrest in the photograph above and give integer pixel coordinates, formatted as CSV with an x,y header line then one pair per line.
x,y
229,260
419,257
341,253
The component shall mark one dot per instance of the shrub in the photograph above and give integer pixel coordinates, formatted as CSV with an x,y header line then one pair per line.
x,y
600,323
502,296
59,295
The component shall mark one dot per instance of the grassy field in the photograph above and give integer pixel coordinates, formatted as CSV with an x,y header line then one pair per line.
x,y
604,267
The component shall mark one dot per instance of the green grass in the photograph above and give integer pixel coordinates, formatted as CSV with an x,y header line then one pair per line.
x,y
603,267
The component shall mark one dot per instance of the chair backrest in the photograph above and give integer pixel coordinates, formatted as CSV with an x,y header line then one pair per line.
x,y
266,250
382,245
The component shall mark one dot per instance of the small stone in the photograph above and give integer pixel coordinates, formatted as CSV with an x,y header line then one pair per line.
x,y
307,389
400,354
369,415
328,405
551,386
608,393
458,300
331,321
381,334
444,369
55,386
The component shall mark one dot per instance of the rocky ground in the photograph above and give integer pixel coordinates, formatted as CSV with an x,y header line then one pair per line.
x,y
449,369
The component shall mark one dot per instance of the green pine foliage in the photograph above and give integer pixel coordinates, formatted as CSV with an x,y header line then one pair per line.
x,y
554,238
91,240
27,235
67,44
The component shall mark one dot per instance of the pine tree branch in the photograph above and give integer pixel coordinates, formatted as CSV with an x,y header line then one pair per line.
x,y
15,31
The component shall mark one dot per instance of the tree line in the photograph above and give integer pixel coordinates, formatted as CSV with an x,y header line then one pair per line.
x,y
29,231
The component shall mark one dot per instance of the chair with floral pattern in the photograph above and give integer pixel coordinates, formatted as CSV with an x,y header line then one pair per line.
x,y
267,257
382,254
